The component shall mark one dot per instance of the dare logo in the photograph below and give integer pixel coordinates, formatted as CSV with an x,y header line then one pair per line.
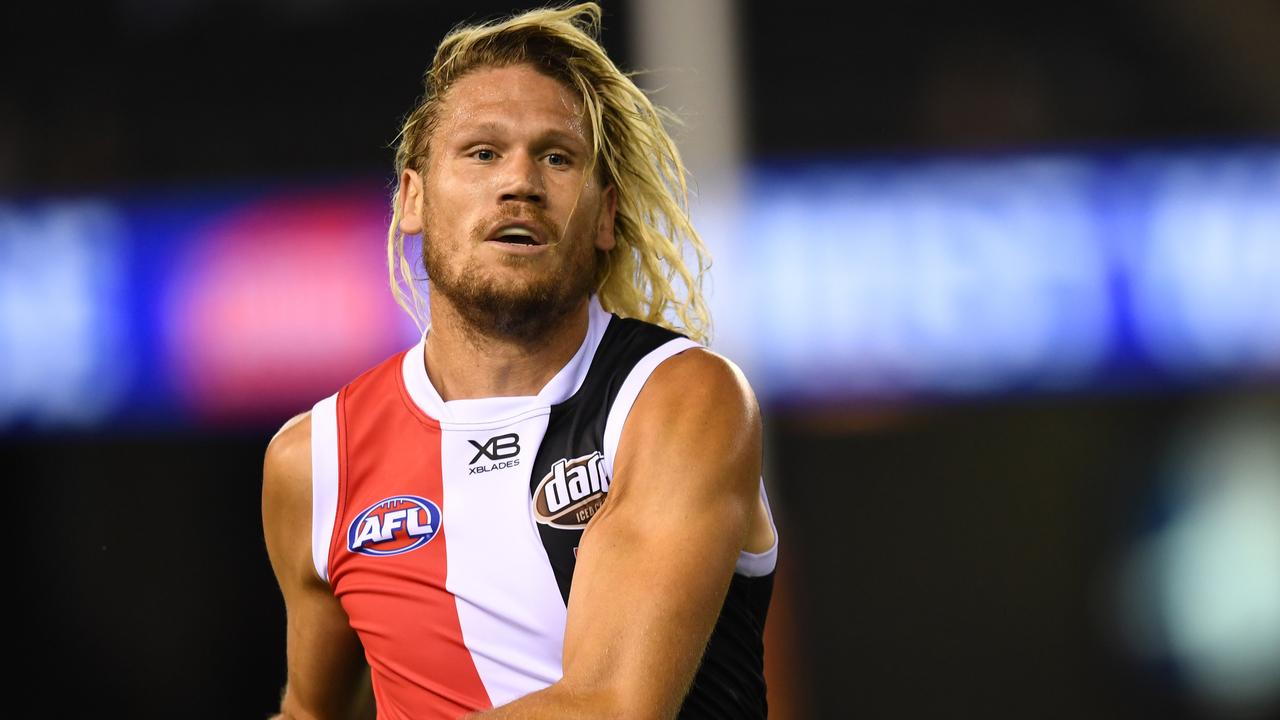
x,y
394,526
572,493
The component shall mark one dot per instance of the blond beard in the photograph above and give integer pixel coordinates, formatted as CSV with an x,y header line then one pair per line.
x,y
523,312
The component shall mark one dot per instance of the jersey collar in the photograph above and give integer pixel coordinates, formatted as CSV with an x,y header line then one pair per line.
x,y
483,410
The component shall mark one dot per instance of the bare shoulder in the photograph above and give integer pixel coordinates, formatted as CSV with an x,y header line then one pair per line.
x,y
287,467
286,495
695,410
291,443
701,380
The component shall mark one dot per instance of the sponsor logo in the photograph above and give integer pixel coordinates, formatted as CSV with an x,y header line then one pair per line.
x,y
394,526
499,447
572,493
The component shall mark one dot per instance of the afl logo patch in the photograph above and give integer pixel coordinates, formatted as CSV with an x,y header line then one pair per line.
x,y
394,526
572,493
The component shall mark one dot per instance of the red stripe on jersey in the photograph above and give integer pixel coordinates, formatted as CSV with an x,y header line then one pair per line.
x,y
398,604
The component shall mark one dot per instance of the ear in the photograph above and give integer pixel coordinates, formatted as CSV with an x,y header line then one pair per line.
x,y
410,200
604,233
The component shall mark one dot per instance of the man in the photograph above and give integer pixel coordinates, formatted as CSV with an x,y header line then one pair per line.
x,y
444,516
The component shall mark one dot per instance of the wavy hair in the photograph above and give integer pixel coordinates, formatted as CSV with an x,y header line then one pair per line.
x,y
645,275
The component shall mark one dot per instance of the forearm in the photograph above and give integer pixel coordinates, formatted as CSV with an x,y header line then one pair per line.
x,y
361,707
560,702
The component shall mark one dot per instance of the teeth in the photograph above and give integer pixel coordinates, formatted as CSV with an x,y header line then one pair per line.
x,y
516,231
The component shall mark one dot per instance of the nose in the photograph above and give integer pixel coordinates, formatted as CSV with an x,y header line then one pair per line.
x,y
521,180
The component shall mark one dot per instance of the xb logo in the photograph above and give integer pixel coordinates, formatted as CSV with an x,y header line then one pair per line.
x,y
499,447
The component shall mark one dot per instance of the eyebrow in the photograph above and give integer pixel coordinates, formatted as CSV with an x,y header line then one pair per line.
x,y
551,136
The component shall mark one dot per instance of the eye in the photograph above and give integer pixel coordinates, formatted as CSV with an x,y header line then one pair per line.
x,y
484,154
557,159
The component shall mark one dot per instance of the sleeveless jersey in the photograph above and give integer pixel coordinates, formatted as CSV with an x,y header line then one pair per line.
x,y
449,530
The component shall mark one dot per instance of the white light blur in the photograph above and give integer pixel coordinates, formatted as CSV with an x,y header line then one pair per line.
x,y
64,356
1204,590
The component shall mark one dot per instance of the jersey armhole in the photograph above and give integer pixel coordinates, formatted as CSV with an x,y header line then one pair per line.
x,y
749,564
760,564
324,481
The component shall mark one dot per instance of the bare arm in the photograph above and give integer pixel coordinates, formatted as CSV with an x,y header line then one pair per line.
x,y
655,563
327,676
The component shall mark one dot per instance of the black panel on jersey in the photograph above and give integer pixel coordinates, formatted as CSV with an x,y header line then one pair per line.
x,y
576,426
730,680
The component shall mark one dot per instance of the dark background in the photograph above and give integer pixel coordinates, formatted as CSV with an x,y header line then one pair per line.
x,y
152,92
938,558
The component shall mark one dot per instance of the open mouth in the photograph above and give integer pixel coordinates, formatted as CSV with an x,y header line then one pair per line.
x,y
516,239
516,235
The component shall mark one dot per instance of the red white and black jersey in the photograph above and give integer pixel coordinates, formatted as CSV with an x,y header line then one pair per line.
x,y
449,530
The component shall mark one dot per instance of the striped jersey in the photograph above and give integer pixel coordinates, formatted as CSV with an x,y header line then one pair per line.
x,y
448,530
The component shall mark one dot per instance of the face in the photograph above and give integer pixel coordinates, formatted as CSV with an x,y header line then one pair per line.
x,y
510,215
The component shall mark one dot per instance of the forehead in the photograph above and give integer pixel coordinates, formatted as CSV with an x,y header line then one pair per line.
x,y
517,97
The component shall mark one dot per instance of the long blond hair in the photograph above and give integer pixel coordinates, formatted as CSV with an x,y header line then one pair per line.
x,y
645,276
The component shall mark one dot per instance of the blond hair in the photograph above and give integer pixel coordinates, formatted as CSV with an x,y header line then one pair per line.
x,y
641,275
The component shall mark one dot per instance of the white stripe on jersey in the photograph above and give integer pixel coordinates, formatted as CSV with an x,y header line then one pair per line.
x,y
324,480
509,605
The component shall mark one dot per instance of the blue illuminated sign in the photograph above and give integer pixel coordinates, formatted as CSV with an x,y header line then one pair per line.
x,y
956,276
1013,274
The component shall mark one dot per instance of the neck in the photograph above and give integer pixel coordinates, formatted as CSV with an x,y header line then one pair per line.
x,y
464,362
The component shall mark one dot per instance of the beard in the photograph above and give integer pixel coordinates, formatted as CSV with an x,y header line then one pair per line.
x,y
522,310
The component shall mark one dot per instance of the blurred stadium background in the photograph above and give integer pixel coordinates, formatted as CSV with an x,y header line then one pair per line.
x,y
1006,277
